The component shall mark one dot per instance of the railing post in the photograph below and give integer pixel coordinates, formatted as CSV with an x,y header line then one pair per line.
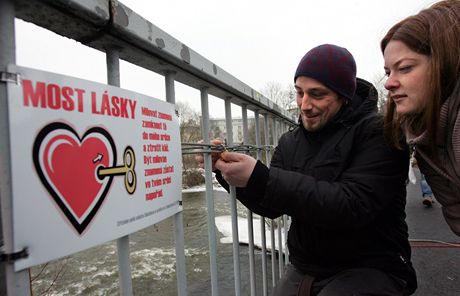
x,y
280,219
181,272
11,283
272,233
252,273
267,138
286,250
124,264
262,219
285,217
235,237
209,193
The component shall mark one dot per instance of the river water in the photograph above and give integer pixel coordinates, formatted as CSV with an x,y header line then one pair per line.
x,y
152,253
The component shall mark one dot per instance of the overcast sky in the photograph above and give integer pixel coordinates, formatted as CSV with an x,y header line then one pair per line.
x,y
257,41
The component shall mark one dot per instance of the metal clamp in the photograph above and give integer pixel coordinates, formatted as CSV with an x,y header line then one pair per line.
x,y
10,77
14,256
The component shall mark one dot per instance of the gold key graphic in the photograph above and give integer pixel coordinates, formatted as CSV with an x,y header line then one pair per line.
x,y
127,169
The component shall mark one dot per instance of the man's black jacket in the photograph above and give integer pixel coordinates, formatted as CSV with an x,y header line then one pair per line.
x,y
344,190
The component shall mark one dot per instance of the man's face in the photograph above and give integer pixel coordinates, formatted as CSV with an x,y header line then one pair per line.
x,y
317,103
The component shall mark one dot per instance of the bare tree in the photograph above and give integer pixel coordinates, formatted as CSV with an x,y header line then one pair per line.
x,y
280,95
189,122
217,133
379,83
190,131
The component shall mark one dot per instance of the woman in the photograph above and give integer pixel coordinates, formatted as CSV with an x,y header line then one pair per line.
x,y
422,62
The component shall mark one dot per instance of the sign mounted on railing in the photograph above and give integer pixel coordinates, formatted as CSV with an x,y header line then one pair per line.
x,y
90,163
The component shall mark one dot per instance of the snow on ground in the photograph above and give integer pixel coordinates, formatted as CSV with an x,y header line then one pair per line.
x,y
202,188
224,225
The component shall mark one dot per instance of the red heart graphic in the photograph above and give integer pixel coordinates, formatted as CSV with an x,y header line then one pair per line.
x,y
70,167
67,166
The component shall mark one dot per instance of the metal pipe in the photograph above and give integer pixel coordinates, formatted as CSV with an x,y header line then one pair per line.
x,y
11,282
272,233
285,218
273,250
286,250
257,128
233,207
252,273
209,193
276,136
262,219
181,272
124,264
267,139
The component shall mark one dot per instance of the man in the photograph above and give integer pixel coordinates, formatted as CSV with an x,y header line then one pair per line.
x,y
342,186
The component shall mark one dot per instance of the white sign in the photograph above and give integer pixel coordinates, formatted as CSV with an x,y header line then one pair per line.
x,y
90,163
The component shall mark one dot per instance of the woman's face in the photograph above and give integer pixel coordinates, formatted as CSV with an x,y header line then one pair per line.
x,y
407,81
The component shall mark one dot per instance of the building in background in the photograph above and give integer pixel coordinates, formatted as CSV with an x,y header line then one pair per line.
x,y
218,129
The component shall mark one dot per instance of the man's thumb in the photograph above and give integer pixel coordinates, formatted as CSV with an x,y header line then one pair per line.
x,y
229,156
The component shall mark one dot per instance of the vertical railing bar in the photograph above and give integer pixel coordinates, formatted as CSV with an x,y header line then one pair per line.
x,y
272,233
273,251
286,250
257,128
12,283
252,273
262,219
209,193
267,140
280,219
181,272
233,209
285,218
273,221
124,265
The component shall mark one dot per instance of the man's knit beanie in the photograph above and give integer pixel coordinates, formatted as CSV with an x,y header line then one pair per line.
x,y
331,65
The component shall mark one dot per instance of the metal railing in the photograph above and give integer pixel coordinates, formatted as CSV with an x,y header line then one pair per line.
x,y
113,28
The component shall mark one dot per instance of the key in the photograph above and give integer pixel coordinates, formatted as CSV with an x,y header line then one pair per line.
x,y
126,169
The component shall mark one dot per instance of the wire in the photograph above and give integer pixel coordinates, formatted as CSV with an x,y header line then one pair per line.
x,y
435,243
190,148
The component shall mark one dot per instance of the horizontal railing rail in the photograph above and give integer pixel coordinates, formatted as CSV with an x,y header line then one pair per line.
x,y
110,24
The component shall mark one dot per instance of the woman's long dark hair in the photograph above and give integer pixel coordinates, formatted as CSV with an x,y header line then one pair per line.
x,y
434,32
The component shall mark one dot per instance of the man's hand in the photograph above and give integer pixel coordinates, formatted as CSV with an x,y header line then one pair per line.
x,y
214,155
236,168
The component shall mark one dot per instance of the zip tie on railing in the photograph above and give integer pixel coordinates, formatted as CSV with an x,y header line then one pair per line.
x,y
191,148
9,77
11,257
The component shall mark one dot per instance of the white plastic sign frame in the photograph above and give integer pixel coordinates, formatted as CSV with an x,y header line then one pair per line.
x,y
90,163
